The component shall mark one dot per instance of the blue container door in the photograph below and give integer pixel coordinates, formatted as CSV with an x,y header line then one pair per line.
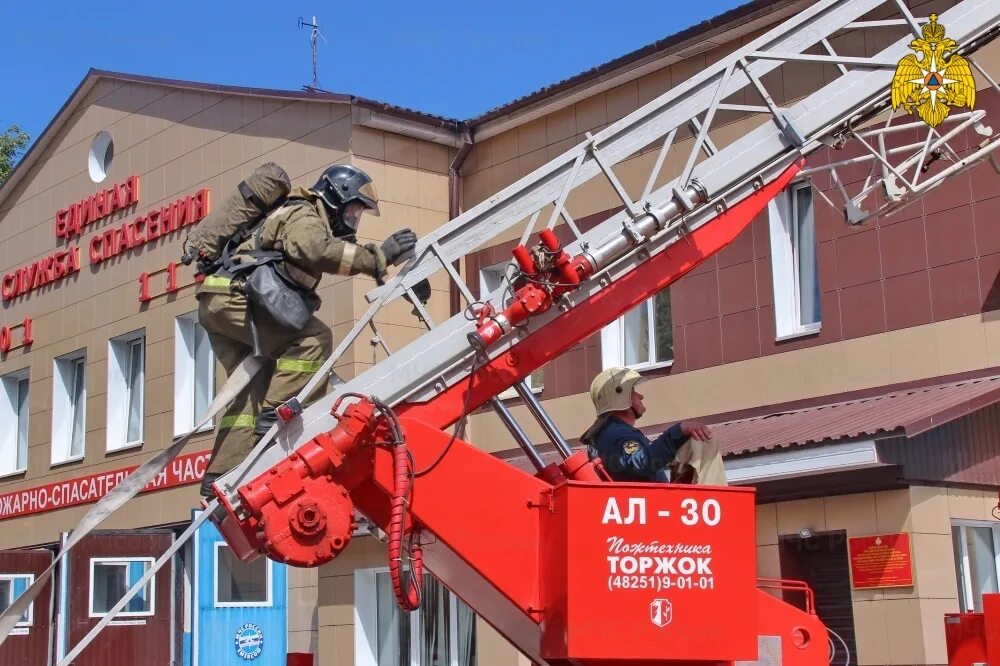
x,y
241,607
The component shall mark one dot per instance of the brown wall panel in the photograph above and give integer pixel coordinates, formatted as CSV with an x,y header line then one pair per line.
x,y
145,643
29,646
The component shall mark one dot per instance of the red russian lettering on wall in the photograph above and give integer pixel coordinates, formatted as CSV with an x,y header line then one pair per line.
x,y
70,221
147,228
7,336
181,471
49,269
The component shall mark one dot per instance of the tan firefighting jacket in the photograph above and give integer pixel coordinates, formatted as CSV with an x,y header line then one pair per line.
x,y
300,229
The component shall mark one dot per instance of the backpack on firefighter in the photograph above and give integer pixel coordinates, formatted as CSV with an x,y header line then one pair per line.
x,y
214,242
233,223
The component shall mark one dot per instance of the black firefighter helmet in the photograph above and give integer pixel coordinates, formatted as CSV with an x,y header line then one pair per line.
x,y
340,185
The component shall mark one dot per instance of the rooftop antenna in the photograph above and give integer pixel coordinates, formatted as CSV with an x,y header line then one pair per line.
x,y
314,35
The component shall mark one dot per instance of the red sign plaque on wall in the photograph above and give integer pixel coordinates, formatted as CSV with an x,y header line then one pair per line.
x,y
182,470
880,560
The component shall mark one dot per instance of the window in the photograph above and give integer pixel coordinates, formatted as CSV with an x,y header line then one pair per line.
x,y
112,577
194,373
490,279
126,375
69,407
239,583
642,337
11,587
976,547
14,411
793,262
440,633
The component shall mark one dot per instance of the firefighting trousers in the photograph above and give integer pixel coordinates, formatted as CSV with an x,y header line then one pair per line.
x,y
293,358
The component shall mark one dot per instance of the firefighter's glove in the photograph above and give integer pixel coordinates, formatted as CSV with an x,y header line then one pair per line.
x,y
398,244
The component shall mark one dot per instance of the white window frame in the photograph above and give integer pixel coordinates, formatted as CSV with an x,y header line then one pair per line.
x,y
613,341
151,584
366,621
10,438
267,603
186,369
783,224
962,569
484,291
31,607
120,394
65,407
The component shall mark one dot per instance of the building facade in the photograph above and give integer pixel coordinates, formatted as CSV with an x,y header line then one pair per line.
x,y
851,373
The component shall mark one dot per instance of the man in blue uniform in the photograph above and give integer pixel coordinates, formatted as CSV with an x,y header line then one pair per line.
x,y
628,455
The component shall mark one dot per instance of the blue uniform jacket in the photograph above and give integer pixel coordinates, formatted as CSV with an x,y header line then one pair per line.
x,y
628,455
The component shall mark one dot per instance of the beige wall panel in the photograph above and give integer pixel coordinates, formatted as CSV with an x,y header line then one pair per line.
x,y
504,147
781,379
336,601
361,553
591,113
867,362
503,175
768,561
823,370
930,511
892,511
493,649
961,344
434,157
652,85
767,524
903,621
871,632
560,125
401,150
912,354
531,136
528,162
622,101
800,514
336,644
967,504
932,613
853,513
933,567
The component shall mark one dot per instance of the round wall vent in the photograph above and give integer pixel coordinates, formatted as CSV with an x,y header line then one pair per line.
x,y
102,152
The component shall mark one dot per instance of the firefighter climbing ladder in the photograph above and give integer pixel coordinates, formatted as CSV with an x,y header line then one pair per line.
x,y
691,180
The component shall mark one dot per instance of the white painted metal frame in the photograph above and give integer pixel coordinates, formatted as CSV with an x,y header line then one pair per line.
x,y
122,392
783,223
31,608
186,370
66,405
269,598
366,622
826,117
964,570
123,561
10,434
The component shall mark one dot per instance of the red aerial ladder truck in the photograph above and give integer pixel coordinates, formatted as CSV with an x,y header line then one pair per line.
x,y
570,567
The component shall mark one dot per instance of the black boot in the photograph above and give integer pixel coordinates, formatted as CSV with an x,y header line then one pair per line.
x,y
206,485
267,418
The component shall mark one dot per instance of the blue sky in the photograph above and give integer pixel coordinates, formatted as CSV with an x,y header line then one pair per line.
x,y
456,60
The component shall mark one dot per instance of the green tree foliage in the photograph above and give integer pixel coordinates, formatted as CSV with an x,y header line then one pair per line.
x,y
12,145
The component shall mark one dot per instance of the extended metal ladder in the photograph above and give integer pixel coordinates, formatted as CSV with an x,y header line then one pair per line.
x,y
711,177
